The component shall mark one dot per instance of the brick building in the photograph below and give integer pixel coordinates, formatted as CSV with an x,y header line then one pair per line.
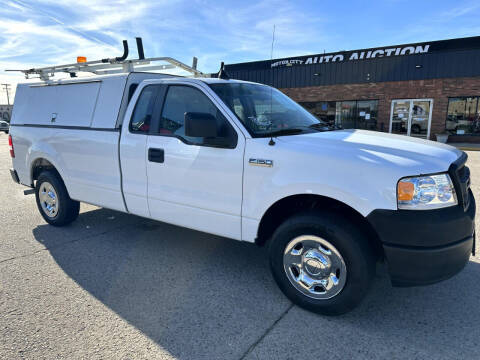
x,y
420,89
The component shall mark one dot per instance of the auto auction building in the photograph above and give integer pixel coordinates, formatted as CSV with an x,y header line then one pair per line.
x,y
420,89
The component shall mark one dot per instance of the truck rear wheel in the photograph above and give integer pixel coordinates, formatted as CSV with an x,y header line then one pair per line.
x,y
321,262
53,201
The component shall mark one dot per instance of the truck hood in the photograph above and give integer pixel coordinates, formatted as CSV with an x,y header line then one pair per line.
x,y
411,155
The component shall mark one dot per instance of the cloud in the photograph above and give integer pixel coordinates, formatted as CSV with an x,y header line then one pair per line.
x,y
44,32
459,20
199,25
464,9
246,33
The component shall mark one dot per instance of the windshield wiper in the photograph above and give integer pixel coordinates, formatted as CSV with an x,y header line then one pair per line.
x,y
281,132
297,130
324,127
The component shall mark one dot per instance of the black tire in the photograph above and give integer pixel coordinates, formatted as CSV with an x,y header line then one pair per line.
x,y
348,240
67,209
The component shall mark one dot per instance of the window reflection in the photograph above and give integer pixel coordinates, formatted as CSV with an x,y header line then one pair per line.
x,y
463,116
353,114
323,110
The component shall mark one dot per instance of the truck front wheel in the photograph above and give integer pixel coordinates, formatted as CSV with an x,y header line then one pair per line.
x,y
322,262
53,201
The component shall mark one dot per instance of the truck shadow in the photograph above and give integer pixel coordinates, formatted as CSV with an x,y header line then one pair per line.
x,y
199,296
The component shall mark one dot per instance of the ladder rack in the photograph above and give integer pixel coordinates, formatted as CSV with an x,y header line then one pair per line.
x,y
115,65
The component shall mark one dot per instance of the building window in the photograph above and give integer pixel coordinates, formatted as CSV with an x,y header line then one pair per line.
x,y
463,116
354,114
323,110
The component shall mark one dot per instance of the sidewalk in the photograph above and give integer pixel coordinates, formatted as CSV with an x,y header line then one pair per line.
x,y
466,146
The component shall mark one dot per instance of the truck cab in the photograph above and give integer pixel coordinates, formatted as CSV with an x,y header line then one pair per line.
x,y
243,161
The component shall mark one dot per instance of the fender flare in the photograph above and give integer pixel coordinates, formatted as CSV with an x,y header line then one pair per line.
x,y
44,156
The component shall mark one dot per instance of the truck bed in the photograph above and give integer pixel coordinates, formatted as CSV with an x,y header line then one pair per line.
x,y
88,158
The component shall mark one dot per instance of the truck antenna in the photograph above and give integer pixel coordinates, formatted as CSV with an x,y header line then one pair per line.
x,y
271,142
222,74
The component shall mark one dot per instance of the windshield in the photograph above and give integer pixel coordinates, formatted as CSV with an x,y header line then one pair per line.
x,y
265,111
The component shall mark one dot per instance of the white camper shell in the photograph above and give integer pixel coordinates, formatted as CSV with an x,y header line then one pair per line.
x,y
97,102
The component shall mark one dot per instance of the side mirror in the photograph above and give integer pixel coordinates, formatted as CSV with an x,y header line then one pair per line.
x,y
200,125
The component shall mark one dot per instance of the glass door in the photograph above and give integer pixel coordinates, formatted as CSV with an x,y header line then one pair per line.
x,y
399,118
411,117
420,119
367,114
346,114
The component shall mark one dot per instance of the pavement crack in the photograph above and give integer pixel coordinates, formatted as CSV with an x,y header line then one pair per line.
x,y
267,331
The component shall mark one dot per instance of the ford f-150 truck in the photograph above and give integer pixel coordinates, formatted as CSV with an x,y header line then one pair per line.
x,y
244,161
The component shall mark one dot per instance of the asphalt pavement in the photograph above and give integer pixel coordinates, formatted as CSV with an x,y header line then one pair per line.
x,y
117,286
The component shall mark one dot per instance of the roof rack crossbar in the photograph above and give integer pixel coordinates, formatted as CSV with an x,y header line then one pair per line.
x,y
114,65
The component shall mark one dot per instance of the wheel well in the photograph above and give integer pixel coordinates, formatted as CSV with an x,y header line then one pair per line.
x,y
291,205
40,165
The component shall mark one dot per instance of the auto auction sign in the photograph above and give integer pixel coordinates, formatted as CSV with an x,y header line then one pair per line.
x,y
370,54
354,55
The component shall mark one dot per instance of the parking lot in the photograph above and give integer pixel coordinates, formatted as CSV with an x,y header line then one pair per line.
x,y
118,286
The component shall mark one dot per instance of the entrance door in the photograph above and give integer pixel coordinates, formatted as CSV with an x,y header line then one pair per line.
x,y
411,117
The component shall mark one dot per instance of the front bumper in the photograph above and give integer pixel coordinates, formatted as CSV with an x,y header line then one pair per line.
x,y
416,266
426,246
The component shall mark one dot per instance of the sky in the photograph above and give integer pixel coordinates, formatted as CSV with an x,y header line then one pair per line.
x,y
46,32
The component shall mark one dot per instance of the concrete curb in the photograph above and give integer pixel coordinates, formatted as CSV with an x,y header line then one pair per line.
x,y
466,146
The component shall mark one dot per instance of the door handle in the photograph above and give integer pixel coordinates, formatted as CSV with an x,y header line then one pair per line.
x,y
156,155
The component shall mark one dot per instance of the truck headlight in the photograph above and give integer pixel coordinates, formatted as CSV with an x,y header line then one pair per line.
x,y
426,192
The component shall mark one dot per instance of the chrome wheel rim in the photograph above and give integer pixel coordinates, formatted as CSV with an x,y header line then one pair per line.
x,y
48,199
314,267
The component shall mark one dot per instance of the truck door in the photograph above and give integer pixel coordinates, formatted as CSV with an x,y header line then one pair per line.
x,y
195,182
133,154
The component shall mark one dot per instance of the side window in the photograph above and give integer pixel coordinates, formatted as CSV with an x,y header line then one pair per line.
x,y
131,90
142,115
238,108
182,99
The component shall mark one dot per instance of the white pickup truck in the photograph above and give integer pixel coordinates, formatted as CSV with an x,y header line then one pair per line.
x,y
243,161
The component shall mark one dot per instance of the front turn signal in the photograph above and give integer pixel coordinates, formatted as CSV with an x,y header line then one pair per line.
x,y
405,191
